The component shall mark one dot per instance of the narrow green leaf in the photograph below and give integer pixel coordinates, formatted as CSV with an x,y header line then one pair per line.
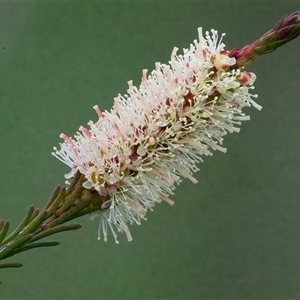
x,y
3,231
33,216
1,223
51,231
34,224
71,195
73,183
12,245
35,245
70,200
69,214
21,225
85,212
10,265
53,196
56,202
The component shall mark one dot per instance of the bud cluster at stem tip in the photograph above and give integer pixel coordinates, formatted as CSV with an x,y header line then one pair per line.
x,y
286,29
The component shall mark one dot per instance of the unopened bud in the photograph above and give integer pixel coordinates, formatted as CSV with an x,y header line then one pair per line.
x,y
246,78
223,61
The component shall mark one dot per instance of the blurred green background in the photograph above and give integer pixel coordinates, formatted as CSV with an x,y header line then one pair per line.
x,y
234,235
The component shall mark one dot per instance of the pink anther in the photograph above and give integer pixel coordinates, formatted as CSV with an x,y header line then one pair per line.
x,y
85,132
116,104
98,111
70,142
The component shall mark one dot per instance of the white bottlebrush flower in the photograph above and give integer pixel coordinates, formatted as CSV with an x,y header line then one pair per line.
x,y
135,154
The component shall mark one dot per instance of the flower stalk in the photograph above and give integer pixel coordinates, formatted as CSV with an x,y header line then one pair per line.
x,y
135,154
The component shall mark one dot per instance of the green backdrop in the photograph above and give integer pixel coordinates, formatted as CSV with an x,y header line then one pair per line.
x,y
234,235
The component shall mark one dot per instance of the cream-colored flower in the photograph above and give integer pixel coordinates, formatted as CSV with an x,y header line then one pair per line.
x,y
157,133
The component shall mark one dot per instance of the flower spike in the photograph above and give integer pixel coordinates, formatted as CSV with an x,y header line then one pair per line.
x,y
155,135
